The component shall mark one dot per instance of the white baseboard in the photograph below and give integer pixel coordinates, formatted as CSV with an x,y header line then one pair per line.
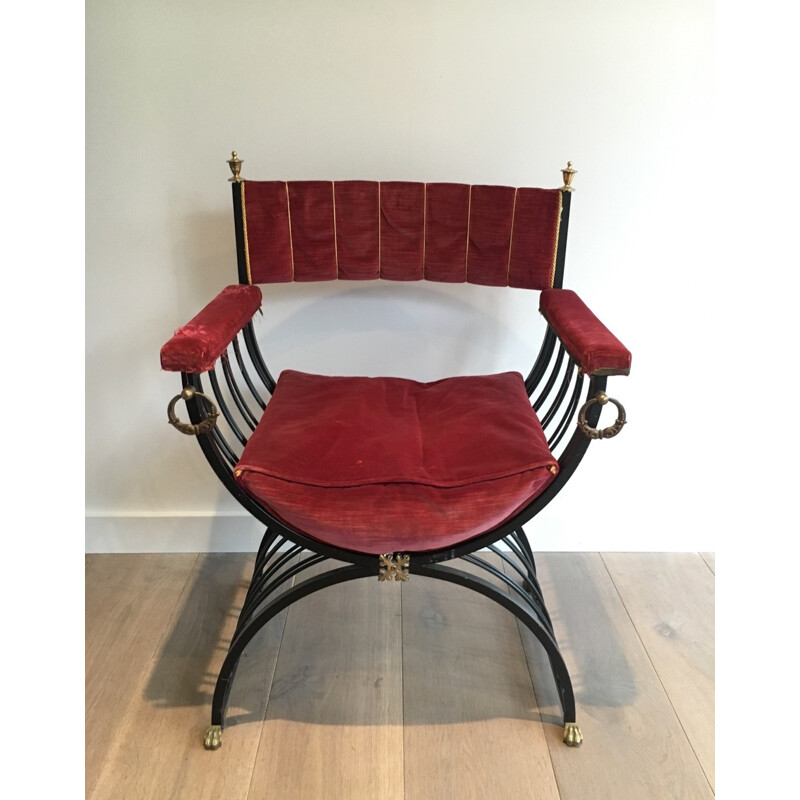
x,y
239,533
140,533
172,534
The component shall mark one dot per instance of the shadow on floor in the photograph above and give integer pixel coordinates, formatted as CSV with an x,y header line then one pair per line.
x,y
345,657
601,674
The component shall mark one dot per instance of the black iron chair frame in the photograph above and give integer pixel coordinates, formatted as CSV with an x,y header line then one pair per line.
x,y
285,553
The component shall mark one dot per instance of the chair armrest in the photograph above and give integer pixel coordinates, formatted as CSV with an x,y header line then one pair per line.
x,y
588,341
197,345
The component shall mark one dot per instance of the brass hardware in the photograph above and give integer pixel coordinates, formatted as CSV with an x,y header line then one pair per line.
x,y
213,737
235,163
244,231
602,433
237,472
572,735
553,468
556,240
568,173
184,427
390,567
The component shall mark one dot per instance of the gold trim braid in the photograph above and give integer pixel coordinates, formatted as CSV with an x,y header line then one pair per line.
x,y
289,218
469,222
558,233
335,237
511,238
246,243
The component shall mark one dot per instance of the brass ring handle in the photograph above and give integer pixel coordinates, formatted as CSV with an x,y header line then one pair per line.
x,y
184,427
601,433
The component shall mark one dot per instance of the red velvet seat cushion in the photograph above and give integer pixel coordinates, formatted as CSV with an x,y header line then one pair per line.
x,y
380,465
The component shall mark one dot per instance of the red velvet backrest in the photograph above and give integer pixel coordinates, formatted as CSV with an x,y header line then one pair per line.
x,y
362,230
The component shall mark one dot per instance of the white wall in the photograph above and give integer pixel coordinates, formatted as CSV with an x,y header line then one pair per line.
x,y
476,92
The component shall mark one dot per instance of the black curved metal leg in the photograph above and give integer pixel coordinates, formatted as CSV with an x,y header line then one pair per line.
x,y
276,567
252,621
532,614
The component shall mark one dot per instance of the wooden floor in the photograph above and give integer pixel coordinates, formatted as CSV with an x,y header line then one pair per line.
x,y
422,690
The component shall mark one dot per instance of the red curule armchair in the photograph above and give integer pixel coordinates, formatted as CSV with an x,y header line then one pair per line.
x,y
391,476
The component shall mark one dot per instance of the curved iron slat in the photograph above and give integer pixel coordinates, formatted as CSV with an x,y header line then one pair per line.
x,y
222,446
510,603
240,363
563,426
274,548
285,599
542,360
306,563
254,351
266,541
261,564
533,582
543,618
270,588
244,410
224,407
525,576
213,444
562,391
522,540
510,561
280,561
552,379
535,589
514,547
262,580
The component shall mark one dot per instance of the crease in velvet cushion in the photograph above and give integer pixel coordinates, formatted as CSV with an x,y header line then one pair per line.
x,y
379,465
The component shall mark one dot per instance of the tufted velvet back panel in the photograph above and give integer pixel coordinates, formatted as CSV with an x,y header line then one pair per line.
x,y
363,230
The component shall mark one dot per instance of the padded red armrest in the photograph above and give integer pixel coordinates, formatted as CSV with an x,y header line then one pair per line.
x,y
197,345
587,340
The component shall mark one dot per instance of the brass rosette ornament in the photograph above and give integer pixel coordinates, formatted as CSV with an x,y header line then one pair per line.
x,y
391,568
601,433
185,427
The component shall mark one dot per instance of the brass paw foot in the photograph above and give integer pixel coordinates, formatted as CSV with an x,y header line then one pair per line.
x,y
213,738
572,735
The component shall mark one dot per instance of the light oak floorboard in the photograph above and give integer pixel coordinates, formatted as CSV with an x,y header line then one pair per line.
x,y
159,752
670,599
128,603
471,725
710,559
634,746
334,724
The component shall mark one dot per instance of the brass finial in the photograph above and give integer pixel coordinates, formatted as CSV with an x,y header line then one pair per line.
x,y
567,173
235,163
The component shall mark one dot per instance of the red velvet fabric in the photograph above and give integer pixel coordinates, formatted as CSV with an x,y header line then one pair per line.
x,y
446,223
490,221
313,239
198,344
535,240
267,239
587,340
357,241
358,230
402,226
380,465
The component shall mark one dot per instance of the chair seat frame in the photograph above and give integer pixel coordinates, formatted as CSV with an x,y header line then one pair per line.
x,y
285,553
